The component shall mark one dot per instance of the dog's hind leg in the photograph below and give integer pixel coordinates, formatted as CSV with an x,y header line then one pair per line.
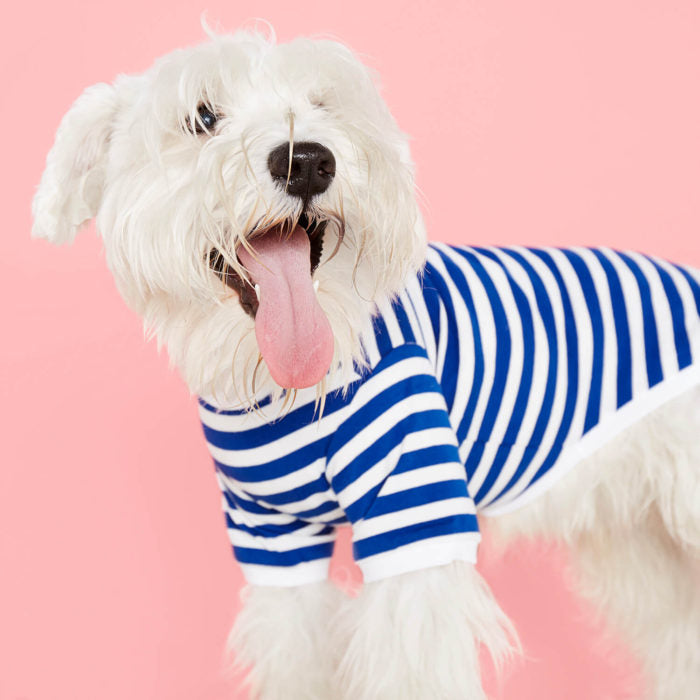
x,y
283,638
631,516
647,587
641,562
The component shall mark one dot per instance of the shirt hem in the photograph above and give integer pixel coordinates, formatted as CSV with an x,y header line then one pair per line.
x,y
421,555
598,437
286,576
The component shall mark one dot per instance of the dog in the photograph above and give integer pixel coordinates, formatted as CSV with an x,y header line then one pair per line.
x,y
257,206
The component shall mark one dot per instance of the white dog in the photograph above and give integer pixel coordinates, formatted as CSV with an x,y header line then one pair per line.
x,y
257,207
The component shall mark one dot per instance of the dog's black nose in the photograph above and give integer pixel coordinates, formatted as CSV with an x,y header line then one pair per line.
x,y
313,168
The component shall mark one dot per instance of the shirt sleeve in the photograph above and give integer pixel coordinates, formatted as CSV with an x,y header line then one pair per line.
x,y
394,465
274,548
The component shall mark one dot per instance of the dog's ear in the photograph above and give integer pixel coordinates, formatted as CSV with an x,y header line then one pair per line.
x,y
70,191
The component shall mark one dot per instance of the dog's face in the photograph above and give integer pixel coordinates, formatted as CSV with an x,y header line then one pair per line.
x,y
254,199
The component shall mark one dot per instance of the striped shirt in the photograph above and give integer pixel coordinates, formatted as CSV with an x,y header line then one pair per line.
x,y
488,378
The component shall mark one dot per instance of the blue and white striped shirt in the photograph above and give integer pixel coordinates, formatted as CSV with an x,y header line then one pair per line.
x,y
491,375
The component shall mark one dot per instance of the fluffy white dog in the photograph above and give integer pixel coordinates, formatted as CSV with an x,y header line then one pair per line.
x,y
257,207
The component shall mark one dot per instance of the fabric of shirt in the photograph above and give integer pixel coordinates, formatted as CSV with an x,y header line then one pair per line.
x,y
492,374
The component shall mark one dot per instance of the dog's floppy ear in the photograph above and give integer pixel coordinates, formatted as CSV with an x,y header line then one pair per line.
x,y
70,191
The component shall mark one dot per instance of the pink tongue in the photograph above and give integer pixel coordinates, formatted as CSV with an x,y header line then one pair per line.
x,y
293,333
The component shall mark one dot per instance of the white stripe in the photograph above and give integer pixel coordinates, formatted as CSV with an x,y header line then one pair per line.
x,y
486,327
282,543
243,517
562,379
414,403
421,476
539,376
608,394
389,522
423,554
633,303
255,456
417,302
417,331
662,316
369,345
514,371
690,314
603,433
378,472
247,419
287,509
230,423
300,477
308,503
299,575
392,325
313,431
442,340
465,370
584,340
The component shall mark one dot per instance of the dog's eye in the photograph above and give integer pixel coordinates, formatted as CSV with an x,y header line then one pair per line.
x,y
206,119
318,101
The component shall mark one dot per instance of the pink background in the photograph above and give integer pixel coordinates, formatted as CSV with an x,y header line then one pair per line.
x,y
544,122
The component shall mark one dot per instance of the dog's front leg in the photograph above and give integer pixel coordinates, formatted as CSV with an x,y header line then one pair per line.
x,y
417,636
283,637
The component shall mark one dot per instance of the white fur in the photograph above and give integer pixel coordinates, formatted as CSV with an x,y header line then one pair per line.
x,y
631,516
164,197
283,638
418,635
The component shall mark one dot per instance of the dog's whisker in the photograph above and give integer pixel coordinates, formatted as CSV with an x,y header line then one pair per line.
x,y
290,118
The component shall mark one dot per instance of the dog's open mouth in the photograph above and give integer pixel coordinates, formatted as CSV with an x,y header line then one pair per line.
x,y
315,230
293,333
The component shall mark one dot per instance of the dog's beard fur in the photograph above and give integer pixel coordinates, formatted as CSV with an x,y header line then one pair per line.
x,y
167,197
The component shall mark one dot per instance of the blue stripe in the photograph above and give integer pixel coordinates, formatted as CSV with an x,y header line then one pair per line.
x,y
282,466
235,502
651,335
374,453
521,400
432,301
299,493
478,376
448,380
693,284
571,336
321,485
545,308
381,334
422,331
271,530
427,456
675,303
403,321
417,496
412,386
322,509
232,412
414,533
247,555
278,428
503,350
624,348
593,305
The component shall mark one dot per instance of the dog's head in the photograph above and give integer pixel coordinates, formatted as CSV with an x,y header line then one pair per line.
x,y
254,199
